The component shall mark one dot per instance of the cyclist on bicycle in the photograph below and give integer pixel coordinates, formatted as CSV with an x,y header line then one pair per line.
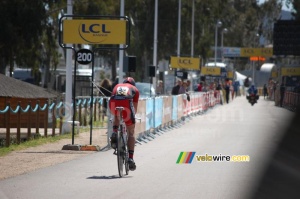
x,y
125,95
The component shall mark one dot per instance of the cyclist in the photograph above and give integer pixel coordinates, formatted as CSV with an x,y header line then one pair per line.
x,y
252,90
125,95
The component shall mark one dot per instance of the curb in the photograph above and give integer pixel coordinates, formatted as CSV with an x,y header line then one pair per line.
x,y
71,147
90,148
81,148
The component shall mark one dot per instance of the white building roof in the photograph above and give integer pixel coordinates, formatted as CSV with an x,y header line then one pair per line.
x,y
267,67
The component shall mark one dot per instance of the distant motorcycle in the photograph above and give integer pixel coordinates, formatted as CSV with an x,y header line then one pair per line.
x,y
252,98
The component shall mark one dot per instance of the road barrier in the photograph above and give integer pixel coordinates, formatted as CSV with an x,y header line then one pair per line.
x,y
291,100
160,114
157,114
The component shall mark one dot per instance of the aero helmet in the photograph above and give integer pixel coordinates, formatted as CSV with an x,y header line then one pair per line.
x,y
129,80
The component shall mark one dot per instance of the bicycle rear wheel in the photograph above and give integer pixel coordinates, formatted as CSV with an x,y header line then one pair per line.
x,y
120,152
126,155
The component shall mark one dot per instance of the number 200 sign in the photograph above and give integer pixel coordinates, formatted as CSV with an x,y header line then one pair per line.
x,y
84,56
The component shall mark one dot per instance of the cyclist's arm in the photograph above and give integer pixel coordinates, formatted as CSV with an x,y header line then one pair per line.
x,y
135,105
136,99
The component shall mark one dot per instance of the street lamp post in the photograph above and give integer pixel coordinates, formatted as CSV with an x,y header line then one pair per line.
x,y
253,68
225,30
218,25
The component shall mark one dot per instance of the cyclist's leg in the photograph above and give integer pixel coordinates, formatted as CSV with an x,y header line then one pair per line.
x,y
112,107
131,139
131,144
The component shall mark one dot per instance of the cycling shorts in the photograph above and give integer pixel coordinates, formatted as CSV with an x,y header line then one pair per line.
x,y
128,112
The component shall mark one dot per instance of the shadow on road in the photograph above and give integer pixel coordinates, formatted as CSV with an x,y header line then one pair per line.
x,y
107,177
282,176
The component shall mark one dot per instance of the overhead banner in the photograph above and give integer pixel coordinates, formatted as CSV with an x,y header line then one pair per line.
x,y
94,31
188,63
231,52
290,71
251,52
215,71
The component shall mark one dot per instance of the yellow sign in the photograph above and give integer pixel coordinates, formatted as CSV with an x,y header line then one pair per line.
x,y
94,31
251,52
230,74
211,71
274,74
185,63
290,71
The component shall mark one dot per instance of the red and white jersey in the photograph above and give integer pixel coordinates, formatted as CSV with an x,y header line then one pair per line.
x,y
125,91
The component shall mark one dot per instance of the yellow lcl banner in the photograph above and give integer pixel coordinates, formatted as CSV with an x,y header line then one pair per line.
x,y
94,31
230,74
252,52
185,63
293,71
211,71
274,74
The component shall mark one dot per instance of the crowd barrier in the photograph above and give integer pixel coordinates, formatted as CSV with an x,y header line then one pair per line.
x,y
291,100
162,113
157,114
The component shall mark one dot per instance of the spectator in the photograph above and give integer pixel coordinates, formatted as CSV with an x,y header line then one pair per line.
x,y
231,89
247,82
188,85
236,88
115,82
175,89
183,88
265,91
227,90
282,90
200,87
105,90
160,87
270,87
275,86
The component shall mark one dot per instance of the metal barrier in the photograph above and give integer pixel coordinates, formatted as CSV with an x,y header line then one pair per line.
x,y
158,114
291,100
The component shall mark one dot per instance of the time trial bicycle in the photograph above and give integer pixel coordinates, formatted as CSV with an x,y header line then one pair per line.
x,y
122,149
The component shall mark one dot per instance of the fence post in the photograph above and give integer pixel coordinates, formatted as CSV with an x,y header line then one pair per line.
x,y
53,120
37,126
8,126
19,124
79,113
46,119
85,114
29,121
95,110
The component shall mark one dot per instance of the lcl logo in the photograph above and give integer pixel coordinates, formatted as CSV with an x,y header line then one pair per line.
x,y
292,70
211,70
87,32
94,28
248,51
267,51
185,61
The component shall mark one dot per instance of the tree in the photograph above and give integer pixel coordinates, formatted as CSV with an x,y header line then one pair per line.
x,y
22,25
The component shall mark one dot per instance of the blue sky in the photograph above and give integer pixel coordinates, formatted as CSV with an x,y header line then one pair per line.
x,y
283,8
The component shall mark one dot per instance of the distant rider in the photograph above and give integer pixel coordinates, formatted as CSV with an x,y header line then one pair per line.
x,y
252,90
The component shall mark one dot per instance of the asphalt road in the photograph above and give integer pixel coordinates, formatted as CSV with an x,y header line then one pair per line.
x,y
226,130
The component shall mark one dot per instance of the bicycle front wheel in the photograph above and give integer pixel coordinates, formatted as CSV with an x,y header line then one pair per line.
x,y
126,155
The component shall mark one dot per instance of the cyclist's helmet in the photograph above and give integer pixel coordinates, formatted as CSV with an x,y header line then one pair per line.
x,y
129,80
